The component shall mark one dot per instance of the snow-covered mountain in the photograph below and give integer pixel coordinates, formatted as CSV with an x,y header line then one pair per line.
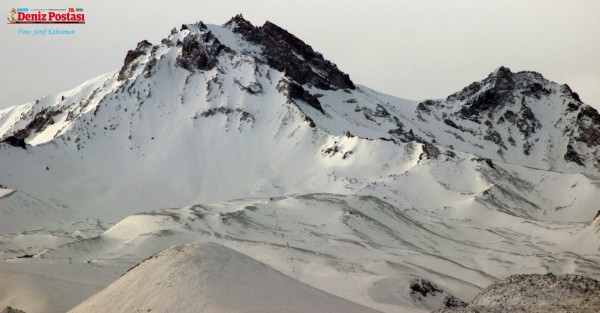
x,y
200,126
246,136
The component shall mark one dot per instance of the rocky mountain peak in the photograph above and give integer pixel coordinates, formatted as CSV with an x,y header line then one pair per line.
x,y
502,87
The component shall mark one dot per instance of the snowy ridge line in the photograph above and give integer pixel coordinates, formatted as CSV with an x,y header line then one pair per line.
x,y
549,118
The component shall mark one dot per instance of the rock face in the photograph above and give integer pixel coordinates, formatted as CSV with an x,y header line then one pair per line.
x,y
285,52
536,293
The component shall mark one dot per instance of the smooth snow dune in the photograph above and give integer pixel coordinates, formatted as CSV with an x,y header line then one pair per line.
x,y
209,277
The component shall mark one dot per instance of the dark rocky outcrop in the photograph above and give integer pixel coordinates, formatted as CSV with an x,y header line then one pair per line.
x,y
11,310
453,302
588,121
423,287
586,134
290,55
15,142
200,51
296,92
40,121
526,121
572,156
132,55
430,151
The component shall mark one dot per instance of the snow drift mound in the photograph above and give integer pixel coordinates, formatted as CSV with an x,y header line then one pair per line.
x,y
209,277
537,293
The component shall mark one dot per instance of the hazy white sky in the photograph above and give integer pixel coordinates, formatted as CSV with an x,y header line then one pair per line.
x,y
412,49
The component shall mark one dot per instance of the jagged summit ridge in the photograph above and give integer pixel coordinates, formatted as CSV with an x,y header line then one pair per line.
x,y
270,45
279,49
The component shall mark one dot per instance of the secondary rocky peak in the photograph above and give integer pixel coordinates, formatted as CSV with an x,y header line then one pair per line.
x,y
502,87
521,113
287,53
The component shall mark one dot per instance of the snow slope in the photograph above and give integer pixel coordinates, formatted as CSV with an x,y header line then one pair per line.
x,y
209,277
49,286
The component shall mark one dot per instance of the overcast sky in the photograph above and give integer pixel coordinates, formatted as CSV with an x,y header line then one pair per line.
x,y
412,49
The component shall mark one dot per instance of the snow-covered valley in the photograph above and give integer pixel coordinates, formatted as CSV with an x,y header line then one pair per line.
x,y
246,137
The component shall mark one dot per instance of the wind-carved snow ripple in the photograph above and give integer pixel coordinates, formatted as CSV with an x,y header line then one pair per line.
x,y
360,240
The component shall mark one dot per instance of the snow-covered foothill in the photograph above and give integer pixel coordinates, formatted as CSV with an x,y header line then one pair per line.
x,y
209,277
